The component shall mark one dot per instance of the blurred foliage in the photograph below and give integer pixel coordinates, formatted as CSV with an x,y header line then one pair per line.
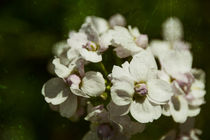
x,y
28,30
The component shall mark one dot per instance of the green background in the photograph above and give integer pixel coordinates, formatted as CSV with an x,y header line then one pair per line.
x,y
28,30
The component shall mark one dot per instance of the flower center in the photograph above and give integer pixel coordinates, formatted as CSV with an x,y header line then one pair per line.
x,y
141,89
105,131
91,46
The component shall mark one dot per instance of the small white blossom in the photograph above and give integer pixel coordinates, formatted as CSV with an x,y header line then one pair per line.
x,y
64,62
91,85
127,42
88,49
188,97
136,84
57,92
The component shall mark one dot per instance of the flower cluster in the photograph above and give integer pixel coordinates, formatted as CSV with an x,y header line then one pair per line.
x,y
119,80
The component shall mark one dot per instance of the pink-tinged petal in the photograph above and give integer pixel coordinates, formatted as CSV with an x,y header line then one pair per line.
x,y
142,41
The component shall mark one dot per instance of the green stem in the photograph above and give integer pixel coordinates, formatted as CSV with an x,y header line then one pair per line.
x,y
103,68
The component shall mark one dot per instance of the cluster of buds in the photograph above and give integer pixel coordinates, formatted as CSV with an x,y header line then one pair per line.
x,y
120,81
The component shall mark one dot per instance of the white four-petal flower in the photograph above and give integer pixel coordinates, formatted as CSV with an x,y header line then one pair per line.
x,y
136,84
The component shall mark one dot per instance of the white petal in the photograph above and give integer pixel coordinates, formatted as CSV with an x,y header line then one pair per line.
x,y
55,91
147,57
122,38
134,31
93,84
57,100
193,111
139,70
61,70
99,24
164,76
159,91
105,41
144,111
78,92
69,107
159,48
72,54
196,102
121,52
179,108
77,40
91,56
122,73
180,45
177,62
122,92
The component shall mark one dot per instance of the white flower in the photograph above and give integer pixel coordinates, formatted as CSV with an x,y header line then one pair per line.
x,y
127,42
172,45
66,59
57,92
88,49
61,69
91,85
136,84
172,29
188,96
110,128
